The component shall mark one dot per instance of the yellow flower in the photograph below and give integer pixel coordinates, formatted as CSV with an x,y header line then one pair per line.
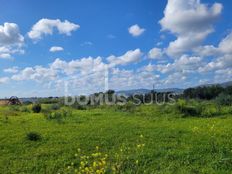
x,y
86,169
82,163
94,164
103,163
97,148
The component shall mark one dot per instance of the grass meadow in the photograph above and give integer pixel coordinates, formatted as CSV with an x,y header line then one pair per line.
x,y
110,139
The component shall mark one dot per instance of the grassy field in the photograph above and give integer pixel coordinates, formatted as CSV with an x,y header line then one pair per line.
x,y
143,140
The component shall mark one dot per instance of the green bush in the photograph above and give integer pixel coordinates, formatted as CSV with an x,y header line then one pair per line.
x,y
14,108
224,100
209,111
25,109
59,116
79,107
189,109
36,108
55,107
128,107
33,136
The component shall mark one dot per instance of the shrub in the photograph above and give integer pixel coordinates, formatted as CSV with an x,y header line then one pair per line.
x,y
25,109
224,99
36,108
128,107
59,116
189,110
55,107
209,111
33,136
79,107
14,108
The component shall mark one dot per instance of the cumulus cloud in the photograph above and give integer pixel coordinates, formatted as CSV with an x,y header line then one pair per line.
x,y
37,73
190,21
225,45
56,49
136,30
13,70
185,64
47,26
155,53
83,65
131,56
11,41
10,35
85,72
217,64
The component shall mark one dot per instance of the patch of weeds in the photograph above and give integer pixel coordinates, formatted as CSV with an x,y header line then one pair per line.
x,y
58,116
79,107
33,136
55,107
15,108
129,107
8,113
25,109
5,119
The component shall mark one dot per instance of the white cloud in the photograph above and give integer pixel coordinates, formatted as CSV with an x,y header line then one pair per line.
x,y
10,35
11,41
13,70
190,21
131,56
83,65
183,64
47,26
221,55
56,49
87,43
217,64
155,53
37,73
223,75
136,30
4,80
132,79
225,45
175,78
111,36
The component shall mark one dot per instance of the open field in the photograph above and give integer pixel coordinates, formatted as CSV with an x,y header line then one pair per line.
x,y
144,140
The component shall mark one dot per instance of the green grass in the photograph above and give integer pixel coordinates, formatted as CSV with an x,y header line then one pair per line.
x,y
172,144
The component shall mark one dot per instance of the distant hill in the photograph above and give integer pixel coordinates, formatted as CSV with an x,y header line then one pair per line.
x,y
145,91
224,85
134,91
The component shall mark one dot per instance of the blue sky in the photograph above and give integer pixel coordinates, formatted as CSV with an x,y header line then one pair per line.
x,y
139,42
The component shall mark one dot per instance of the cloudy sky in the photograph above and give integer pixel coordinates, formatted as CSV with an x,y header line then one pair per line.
x,y
51,47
